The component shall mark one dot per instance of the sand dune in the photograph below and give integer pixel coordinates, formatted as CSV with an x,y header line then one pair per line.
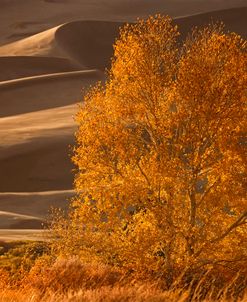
x,y
89,43
14,67
46,91
9,220
30,210
50,123
41,44
34,150
235,20
22,234
36,162
48,55
34,203
23,17
42,164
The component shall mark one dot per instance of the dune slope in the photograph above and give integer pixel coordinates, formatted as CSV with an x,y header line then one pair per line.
x,y
14,67
46,91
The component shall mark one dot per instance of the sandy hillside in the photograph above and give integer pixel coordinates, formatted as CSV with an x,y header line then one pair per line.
x,y
51,51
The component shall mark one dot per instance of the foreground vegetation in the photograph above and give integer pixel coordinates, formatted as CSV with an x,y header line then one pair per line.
x,y
55,279
160,212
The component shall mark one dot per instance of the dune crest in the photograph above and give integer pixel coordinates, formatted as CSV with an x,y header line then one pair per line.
x,y
41,44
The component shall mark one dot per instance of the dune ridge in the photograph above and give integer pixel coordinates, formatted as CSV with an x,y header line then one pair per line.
x,y
50,77
30,209
14,67
42,78
9,220
58,90
41,44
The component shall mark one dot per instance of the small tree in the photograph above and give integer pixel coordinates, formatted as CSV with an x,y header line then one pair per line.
x,y
160,156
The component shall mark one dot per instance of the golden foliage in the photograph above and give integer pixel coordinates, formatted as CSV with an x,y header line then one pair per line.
x,y
161,155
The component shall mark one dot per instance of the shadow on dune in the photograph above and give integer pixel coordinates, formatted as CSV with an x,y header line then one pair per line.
x,y
15,67
234,19
35,203
14,223
44,92
27,224
40,166
90,43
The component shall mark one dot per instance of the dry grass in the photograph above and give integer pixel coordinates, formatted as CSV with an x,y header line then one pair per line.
x,y
141,293
106,294
73,280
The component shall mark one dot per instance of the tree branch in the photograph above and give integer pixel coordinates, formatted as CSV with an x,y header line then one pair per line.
x,y
208,190
144,174
241,220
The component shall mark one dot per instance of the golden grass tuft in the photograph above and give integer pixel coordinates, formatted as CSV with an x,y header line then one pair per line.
x,y
70,275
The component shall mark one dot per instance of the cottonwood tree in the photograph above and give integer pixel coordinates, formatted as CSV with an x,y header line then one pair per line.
x,y
161,153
